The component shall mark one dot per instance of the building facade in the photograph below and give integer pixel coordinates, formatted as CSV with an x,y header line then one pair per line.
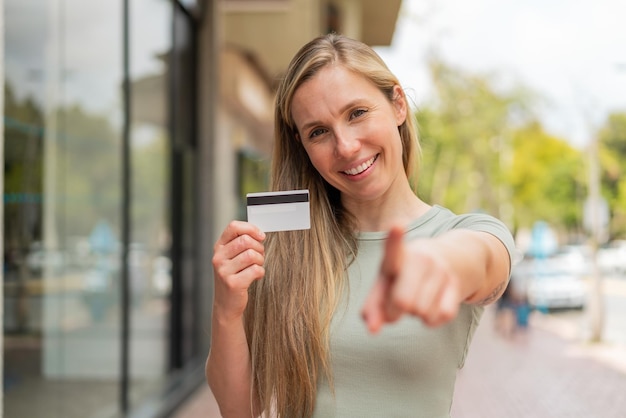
x,y
132,130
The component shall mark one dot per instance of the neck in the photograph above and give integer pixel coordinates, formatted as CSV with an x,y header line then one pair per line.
x,y
387,211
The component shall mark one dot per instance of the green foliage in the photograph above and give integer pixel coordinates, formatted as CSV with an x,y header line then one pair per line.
x,y
466,135
150,190
547,178
612,150
482,150
89,177
23,164
85,152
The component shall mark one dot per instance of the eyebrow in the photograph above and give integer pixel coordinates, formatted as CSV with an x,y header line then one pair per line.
x,y
352,103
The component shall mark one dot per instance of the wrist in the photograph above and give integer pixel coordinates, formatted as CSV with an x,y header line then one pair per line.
x,y
223,316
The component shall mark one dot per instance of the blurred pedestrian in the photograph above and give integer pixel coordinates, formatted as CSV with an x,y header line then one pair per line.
x,y
295,312
505,319
522,310
513,309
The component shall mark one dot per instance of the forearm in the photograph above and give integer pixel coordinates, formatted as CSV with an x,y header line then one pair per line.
x,y
228,368
479,260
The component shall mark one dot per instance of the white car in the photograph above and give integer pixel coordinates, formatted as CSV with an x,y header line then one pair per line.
x,y
556,289
612,259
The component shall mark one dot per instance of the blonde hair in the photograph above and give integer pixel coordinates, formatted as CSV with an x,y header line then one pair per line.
x,y
289,310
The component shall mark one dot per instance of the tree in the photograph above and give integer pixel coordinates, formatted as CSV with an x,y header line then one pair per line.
x,y
90,170
466,138
23,144
150,190
547,180
484,150
612,151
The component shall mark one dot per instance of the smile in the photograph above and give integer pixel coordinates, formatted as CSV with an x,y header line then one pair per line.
x,y
362,167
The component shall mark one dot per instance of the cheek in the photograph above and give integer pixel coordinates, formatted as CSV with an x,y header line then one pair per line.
x,y
321,160
318,159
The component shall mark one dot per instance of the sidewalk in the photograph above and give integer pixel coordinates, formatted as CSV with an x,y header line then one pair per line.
x,y
200,405
543,374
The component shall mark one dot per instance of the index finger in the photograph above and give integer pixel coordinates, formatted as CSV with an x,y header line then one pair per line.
x,y
394,253
238,228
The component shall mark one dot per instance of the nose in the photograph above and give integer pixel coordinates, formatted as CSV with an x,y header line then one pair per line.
x,y
346,144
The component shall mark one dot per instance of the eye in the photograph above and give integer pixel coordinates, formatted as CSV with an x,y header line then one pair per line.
x,y
356,113
317,132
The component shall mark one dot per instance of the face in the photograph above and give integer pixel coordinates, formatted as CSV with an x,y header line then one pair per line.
x,y
349,130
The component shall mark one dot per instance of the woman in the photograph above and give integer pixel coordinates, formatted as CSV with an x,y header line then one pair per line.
x,y
295,313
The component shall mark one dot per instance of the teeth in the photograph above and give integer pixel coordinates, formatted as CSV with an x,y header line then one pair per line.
x,y
361,168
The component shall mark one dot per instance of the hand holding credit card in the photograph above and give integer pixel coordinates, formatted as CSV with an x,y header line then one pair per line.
x,y
279,211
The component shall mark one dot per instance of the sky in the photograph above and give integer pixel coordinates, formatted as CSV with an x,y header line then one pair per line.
x,y
571,53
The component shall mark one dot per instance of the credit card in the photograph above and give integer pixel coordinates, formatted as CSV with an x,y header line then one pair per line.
x,y
279,211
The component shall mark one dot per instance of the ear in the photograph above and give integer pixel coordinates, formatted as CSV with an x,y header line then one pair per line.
x,y
400,105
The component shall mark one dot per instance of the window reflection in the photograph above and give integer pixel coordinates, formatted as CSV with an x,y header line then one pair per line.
x,y
63,131
149,255
189,3
61,224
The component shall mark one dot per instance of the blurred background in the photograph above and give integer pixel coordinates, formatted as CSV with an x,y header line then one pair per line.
x,y
133,129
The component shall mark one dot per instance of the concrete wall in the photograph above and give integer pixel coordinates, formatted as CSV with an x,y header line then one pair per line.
x,y
274,31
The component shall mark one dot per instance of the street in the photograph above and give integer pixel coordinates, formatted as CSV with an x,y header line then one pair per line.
x,y
615,309
540,374
575,324
551,370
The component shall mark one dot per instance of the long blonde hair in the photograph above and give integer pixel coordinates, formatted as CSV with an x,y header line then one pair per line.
x,y
289,310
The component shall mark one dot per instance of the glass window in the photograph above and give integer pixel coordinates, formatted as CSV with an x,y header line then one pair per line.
x,y
63,142
149,256
185,297
62,216
189,3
